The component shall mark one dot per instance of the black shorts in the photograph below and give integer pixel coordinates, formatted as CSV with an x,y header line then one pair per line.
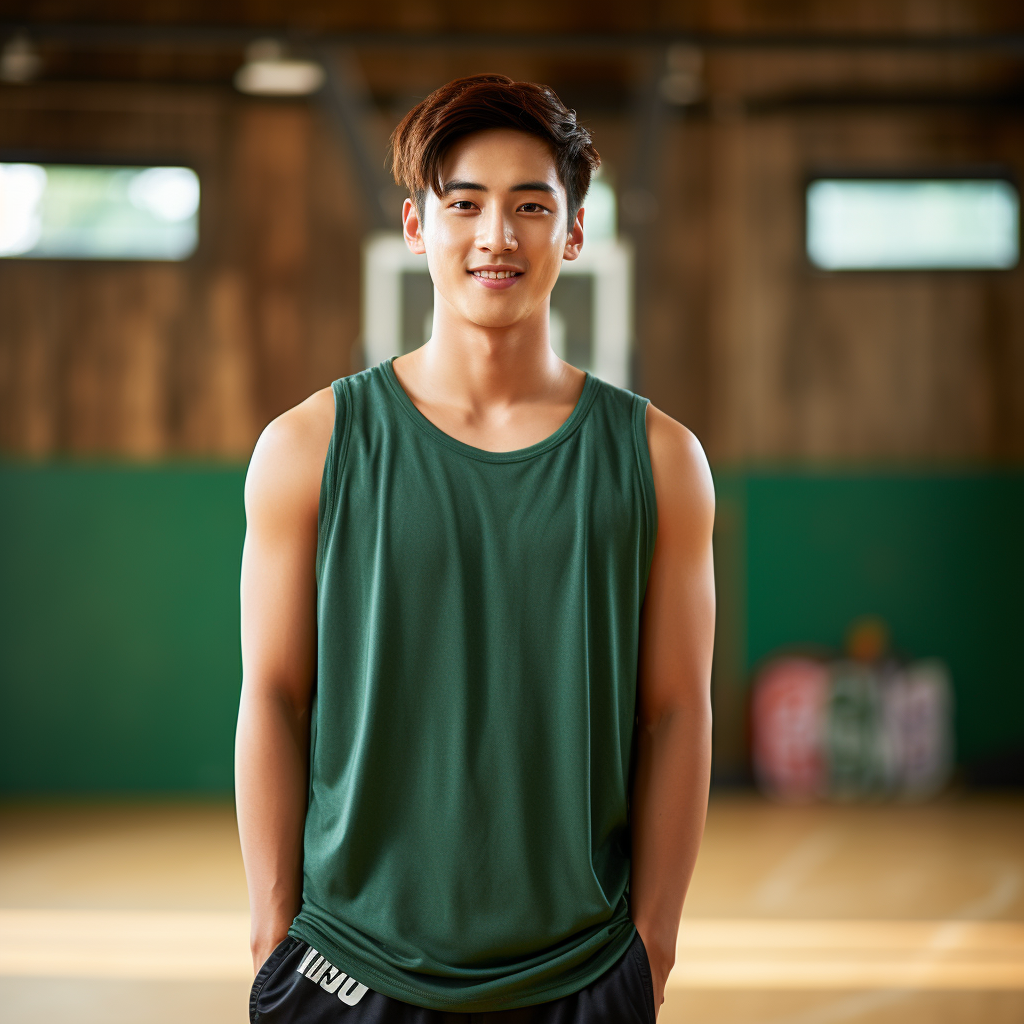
x,y
298,986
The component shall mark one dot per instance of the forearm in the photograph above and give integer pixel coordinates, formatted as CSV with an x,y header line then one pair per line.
x,y
670,799
271,784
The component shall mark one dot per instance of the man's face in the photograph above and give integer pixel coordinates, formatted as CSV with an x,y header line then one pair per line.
x,y
496,238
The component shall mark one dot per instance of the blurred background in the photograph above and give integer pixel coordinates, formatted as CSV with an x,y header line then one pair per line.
x,y
804,244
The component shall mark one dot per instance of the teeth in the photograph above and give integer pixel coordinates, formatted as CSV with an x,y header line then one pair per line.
x,y
494,275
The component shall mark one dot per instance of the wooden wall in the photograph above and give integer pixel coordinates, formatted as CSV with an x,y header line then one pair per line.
x,y
150,360
764,357
770,359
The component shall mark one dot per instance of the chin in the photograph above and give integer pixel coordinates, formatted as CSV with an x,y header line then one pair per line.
x,y
486,315
494,322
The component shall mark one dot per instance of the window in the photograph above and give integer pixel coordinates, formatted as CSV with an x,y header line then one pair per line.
x,y
65,211
874,224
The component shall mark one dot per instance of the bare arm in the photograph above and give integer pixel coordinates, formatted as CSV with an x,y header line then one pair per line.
x,y
278,603
677,635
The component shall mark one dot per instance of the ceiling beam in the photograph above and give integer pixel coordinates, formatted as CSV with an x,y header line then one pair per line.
x,y
110,36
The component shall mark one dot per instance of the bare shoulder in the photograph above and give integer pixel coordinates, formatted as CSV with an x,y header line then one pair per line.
x,y
683,486
287,463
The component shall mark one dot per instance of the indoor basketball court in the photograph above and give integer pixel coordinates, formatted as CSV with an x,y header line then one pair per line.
x,y
803,242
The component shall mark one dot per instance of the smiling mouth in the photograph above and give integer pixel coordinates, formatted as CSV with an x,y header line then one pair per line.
x,y
496,275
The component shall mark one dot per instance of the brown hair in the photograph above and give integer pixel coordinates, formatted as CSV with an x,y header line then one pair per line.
x,y
474,104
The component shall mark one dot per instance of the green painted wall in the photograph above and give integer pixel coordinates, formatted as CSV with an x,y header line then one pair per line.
x,y
119,651
939,557
119,659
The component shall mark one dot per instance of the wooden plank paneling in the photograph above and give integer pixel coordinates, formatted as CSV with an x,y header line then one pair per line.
x,y
764,357
148,360
855,366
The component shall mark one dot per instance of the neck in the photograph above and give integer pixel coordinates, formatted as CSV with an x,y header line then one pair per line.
x,y
475,366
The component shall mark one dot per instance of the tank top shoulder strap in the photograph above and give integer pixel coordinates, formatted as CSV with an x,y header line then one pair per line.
x,y
643,458
360,400
336,449
625,415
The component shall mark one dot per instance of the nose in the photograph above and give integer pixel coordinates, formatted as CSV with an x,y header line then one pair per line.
x,y
495,232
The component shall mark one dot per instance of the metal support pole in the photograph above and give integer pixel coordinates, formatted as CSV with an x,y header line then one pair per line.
x,y
347,102
638,200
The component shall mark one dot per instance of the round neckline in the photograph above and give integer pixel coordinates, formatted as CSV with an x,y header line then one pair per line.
x,y
567,426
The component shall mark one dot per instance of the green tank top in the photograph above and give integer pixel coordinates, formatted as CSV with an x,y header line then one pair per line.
x,y
467,840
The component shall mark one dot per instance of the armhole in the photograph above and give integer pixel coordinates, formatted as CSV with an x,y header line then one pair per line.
x,y
650,504
333,464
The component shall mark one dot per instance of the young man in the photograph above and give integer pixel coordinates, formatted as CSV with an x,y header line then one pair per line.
x,y
477,614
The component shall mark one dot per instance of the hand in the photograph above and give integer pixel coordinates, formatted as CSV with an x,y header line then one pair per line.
x,y
661,965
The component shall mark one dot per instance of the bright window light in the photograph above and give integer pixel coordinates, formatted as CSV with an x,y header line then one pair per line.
x,y
599,212
64,211
861,224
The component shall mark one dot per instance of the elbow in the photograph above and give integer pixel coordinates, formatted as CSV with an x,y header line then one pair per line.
x,y
284,699
694,716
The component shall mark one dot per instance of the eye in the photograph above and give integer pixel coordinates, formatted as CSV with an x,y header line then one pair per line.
x,y
462,204
532,207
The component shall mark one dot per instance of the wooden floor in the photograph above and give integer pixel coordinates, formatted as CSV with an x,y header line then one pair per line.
x,y
136,914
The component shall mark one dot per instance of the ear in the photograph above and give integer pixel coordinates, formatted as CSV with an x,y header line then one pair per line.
x,y
574,242
412,230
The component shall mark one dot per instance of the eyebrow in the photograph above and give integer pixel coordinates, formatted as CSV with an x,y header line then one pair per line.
x,y
473,186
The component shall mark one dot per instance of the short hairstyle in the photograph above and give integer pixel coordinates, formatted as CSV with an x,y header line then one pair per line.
x,y
419,144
